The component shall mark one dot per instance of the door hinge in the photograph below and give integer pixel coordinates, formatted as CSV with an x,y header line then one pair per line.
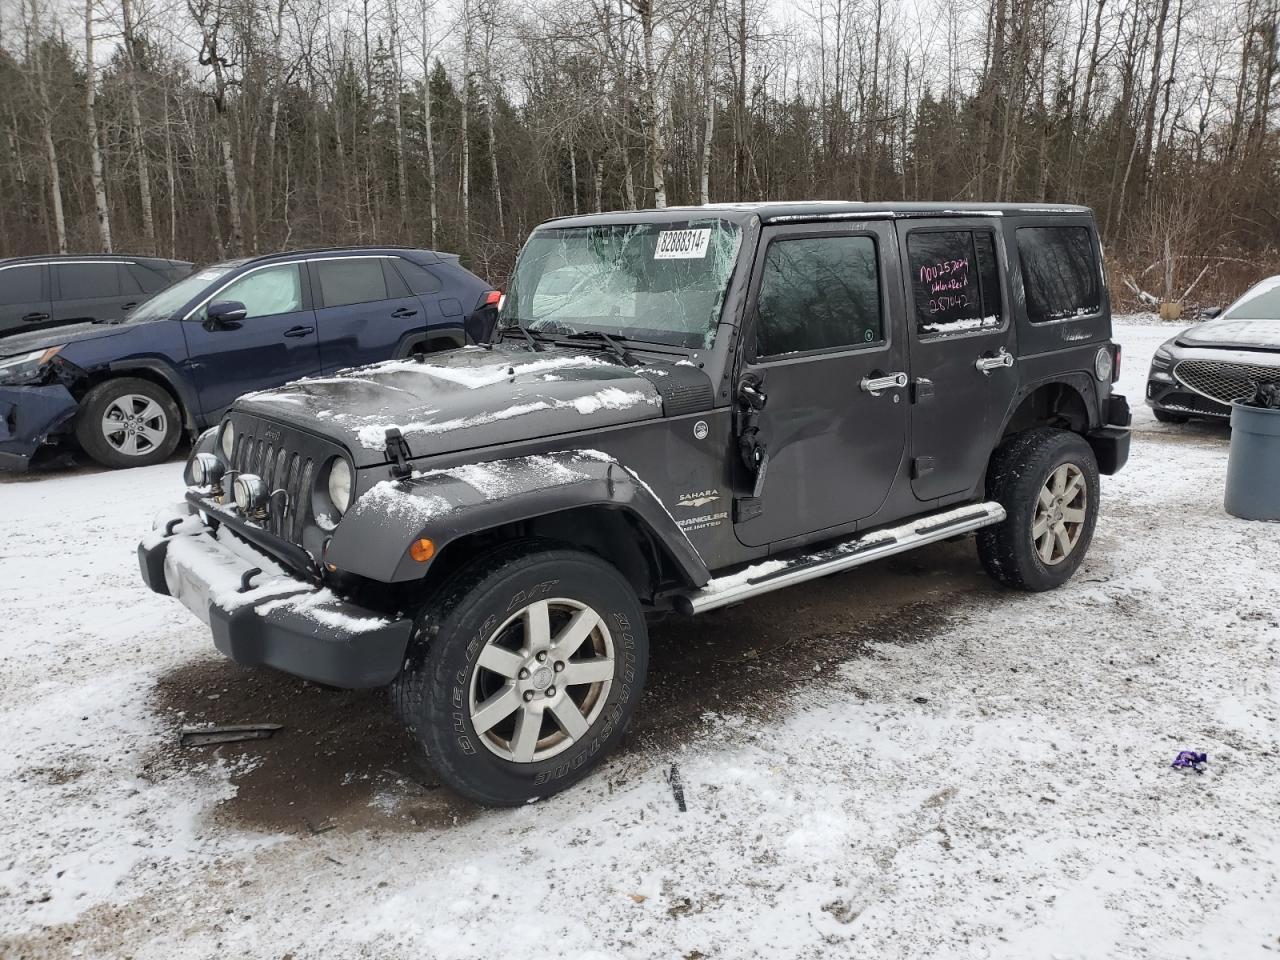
x,y
921,466
921,390
398,450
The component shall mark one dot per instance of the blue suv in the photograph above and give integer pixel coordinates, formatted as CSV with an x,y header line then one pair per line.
x,y
126,390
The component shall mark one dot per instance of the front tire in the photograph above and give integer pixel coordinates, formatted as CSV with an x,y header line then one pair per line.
x,y
524,672
128,423
1047,482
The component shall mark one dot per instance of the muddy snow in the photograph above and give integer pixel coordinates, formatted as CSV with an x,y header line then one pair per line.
x,y
898,762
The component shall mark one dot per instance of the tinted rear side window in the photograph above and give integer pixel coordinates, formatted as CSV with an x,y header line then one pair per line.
x,y
420,279
1060,273
955,280
87,281
344,282
818,293
20,285
146,278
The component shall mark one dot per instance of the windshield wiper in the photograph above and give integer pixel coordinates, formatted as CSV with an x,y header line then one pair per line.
x,y
534,343
611,343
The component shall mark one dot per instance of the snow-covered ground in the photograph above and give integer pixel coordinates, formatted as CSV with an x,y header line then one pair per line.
x,y
899,762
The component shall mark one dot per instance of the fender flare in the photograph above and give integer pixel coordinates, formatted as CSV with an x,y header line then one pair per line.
x,y
455,338
177,384
373,539
1082,383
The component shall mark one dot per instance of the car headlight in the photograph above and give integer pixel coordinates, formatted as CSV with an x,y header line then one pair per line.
x,y
1162,358
228,441
206,470
340,485
26,367
250,492
1103,363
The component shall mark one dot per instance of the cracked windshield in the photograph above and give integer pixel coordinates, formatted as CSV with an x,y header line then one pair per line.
x,y
662,282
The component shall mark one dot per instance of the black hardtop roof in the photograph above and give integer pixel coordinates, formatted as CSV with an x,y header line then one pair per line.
x,y
815,210
108,257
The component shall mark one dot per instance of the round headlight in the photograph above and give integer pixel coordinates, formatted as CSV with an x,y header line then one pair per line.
x,y
228,442
340,485
206,469
1102,364
250,492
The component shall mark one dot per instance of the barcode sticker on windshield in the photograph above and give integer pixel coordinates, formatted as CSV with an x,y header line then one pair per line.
x,y
682,244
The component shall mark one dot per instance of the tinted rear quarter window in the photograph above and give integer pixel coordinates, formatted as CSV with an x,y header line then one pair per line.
x,y
818,293
344,282
1059,272
146,278
87,281
20,285
419,278
955,280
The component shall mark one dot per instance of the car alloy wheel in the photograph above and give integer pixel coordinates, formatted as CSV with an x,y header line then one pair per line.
x,y
541,680
1060,514
134,425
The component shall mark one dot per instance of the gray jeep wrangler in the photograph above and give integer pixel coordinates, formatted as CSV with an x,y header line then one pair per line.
x,y
680,409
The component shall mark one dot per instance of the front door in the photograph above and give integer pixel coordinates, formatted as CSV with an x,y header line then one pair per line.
x,y
275,343
825,350
962,350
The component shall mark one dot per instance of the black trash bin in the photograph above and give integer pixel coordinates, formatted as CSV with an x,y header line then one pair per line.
x,y
1253,465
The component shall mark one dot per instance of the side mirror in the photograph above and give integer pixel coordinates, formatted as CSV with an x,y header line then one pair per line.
x,y
224,313
1210,313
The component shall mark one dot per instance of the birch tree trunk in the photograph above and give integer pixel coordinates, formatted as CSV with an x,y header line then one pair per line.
x,y
135,130
397,116
46,133
428,134
654,135
708,98
91,123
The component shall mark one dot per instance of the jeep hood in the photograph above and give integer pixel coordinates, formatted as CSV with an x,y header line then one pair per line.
x,y
42,339
463,399
1237,334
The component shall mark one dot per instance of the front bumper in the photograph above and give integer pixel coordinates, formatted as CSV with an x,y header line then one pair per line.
x,y
262,615
28,417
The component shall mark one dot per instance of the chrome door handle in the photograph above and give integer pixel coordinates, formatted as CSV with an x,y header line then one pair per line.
x,y
1002,359
873,385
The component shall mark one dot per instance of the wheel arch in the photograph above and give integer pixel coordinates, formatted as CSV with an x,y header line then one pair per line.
x,y
433,340
1061,403
153,371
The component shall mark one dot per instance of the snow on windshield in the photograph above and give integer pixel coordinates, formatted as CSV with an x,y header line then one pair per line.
x,y
663,282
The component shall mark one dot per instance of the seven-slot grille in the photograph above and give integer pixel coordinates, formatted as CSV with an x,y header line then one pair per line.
x,y
280,468
1223,380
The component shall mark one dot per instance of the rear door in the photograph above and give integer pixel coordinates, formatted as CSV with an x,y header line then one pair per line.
x,y
828,356
24,298
275,343
363,310
962,350
87,291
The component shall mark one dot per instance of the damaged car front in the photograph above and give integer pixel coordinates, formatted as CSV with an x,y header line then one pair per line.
x,y
35,402
320,516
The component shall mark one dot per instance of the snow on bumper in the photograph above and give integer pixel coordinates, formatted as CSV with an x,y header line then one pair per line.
x,y
262,615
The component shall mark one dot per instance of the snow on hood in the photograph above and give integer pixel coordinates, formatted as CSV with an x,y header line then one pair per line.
x,y
463,399
1233,333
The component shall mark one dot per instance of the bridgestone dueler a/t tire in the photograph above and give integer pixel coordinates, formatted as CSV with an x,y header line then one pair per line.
x,y
431,693
1018,471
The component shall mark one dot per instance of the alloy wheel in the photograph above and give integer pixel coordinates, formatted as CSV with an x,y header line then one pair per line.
x,y
134,425
1060,514
541,680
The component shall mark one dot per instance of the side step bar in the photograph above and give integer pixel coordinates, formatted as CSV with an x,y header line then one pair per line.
x,y
773,575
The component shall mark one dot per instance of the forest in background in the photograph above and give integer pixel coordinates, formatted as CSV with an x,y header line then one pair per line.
x,y
208,129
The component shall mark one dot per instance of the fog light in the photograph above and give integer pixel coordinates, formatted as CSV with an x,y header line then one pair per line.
x,y
422,550
250,492
206,470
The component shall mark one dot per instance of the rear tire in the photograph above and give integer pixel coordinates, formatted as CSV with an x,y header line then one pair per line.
x,y
1165,416
128,423
523,672
1047,482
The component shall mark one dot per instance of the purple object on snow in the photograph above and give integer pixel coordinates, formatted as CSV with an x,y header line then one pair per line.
x,y
1190,760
